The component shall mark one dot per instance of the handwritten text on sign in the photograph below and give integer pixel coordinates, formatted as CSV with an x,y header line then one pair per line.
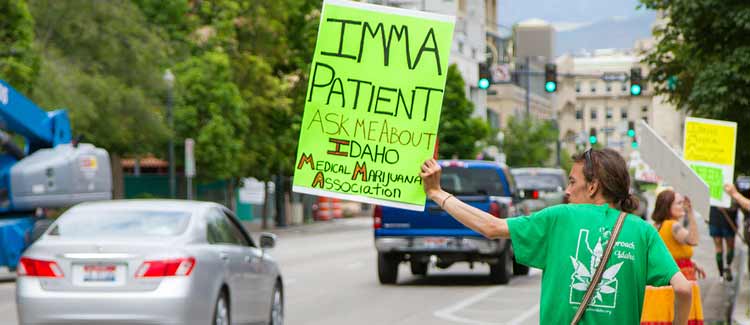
x,y
373,103
710,150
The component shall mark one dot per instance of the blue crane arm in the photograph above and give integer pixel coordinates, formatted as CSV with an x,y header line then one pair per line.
x,y
40,128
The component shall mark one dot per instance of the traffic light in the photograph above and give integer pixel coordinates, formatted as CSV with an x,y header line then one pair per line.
x,y
484,76
550,77
634,143
592,136
635,81
631,129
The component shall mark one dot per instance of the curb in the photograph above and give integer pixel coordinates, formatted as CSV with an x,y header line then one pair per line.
x,y
740,310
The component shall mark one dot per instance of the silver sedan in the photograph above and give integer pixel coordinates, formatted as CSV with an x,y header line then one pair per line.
x,y
149,262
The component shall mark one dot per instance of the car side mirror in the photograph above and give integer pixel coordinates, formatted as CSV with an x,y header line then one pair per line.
x,y
267,240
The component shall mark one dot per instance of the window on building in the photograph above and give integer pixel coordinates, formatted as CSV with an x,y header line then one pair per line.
x,y
578,86
644,109
461,47
579,113
609,87
593,87
609,113
623,87
624,113
473,53
493,119
593,113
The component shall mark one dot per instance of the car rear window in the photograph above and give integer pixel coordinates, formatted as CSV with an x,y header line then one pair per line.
x,y
472,181
121,223
539,181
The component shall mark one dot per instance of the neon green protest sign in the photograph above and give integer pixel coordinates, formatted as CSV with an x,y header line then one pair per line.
x,y
373,103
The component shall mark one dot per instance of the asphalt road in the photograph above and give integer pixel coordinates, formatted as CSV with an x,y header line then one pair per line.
x,y
330,276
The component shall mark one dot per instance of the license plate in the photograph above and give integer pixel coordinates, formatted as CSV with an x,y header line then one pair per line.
x,y
98,274
436,242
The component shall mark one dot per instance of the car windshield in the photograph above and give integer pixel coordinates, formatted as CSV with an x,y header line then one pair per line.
x,y
539,182
120,223
471,181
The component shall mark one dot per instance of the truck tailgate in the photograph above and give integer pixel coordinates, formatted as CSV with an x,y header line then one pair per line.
x,y
433,221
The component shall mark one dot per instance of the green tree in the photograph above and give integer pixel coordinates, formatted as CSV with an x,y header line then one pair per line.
x,y
19,62
527,142
210,109
703,48
104,64
459,132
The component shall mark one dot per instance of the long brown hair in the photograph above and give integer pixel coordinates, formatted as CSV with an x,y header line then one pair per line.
x,y
610,169
662,209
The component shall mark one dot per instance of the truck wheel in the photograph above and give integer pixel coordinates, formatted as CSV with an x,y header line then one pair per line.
x,y
387,268
501,271
419,268
518,269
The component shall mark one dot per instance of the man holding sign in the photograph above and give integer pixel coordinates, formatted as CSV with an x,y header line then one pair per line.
x,y
568,242
373,103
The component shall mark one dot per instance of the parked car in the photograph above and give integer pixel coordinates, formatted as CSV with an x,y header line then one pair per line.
x,y
149,262
414,237
539,188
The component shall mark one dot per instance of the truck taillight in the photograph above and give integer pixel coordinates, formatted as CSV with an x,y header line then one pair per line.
x,y
535,195
39,268
162,268
377,217
495,209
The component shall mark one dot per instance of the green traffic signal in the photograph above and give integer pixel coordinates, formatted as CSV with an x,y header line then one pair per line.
x,y
592,139
484,83
631,133
635,90
634,144
550,86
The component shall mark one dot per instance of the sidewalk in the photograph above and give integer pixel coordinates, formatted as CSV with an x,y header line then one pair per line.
x,y
717,295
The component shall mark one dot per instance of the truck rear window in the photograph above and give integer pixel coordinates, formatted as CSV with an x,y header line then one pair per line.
x,y
468,181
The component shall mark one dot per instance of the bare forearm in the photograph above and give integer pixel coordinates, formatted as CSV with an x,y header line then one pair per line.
x,y
742,201
478,220
683,294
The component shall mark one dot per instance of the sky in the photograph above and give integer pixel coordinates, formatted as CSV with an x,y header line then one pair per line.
x,y
584,23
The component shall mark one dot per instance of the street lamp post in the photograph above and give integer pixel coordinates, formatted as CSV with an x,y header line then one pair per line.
x,y
169,79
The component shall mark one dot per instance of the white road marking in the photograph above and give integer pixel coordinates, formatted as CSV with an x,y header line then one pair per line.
x,y
447,313
355,265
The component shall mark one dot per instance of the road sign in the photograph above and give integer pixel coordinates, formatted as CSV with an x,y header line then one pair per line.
x,y
500,73
615,76
189,158
670,166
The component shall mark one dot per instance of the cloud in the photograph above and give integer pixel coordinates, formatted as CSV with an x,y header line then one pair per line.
x,y
566,26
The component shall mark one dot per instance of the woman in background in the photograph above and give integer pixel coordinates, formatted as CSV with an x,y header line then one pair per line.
x,y
658,302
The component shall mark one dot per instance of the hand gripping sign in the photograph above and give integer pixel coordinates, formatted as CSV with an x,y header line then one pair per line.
x,y
373,103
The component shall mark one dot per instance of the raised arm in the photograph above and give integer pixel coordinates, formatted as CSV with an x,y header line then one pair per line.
x,y
478,220
741,200
687,236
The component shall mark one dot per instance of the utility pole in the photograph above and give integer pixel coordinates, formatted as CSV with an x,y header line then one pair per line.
x,y
169,79
527,69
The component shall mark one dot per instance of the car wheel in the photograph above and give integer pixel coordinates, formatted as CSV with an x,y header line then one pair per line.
x,y
419,268
518,268
387,268
501,271
277,306
221,310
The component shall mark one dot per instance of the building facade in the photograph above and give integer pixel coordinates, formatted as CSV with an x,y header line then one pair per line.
x,y
588,105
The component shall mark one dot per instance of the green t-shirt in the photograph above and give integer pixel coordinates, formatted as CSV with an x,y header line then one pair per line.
x,y
566,241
